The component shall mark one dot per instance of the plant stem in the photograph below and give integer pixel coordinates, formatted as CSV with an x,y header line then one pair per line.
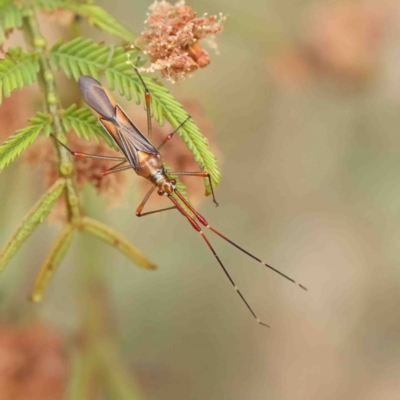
x,y
52,107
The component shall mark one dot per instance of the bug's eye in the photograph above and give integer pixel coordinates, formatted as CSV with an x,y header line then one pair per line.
x,y
160,192
173,181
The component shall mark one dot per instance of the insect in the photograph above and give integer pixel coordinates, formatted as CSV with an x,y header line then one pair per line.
x,y
145,159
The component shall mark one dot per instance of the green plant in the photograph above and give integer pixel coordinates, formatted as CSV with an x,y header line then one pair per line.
x,y
98,361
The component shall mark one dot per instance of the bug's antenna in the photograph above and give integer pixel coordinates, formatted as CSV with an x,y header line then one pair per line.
x,y
147,96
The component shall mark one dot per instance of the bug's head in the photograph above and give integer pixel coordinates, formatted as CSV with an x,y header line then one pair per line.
x,y
166,187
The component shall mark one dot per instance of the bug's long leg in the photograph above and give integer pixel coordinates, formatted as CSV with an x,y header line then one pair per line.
x,y
201,174
207,225
170,136
86,155
147,96
116,168
155,211
198,229
144,201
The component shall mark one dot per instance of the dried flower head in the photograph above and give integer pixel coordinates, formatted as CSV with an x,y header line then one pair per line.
x,y
32,364
172,42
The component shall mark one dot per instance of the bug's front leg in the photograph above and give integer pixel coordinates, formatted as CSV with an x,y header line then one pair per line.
x,y
171,135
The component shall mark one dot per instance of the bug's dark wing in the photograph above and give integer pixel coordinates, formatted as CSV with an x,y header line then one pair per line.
x,y
103,106
131,139
125,133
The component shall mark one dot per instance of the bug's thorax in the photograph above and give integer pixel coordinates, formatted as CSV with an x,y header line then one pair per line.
x,y
151,168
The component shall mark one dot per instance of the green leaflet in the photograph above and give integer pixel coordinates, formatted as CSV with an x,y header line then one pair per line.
x,y
80,57
114,239
52,261
33,219
23,138
101,19
10,18
83,121
72,57
95,15
17,70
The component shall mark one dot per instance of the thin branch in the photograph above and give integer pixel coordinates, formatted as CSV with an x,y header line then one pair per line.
x,y
52,107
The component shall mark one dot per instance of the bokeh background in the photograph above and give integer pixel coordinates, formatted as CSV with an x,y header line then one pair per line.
x,y
303,108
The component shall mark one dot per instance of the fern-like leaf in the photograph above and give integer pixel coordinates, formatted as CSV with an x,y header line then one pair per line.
x,y
82,121
10,18
23,138
52,261
95,15
17,70
80,57
114,239
31,221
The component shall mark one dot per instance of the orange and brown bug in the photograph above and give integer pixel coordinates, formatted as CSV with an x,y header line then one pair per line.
x,y
145,159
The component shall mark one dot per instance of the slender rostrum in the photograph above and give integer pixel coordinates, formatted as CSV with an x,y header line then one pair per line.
x,y
141,156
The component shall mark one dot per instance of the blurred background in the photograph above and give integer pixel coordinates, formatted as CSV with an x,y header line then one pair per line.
x,y
302,107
